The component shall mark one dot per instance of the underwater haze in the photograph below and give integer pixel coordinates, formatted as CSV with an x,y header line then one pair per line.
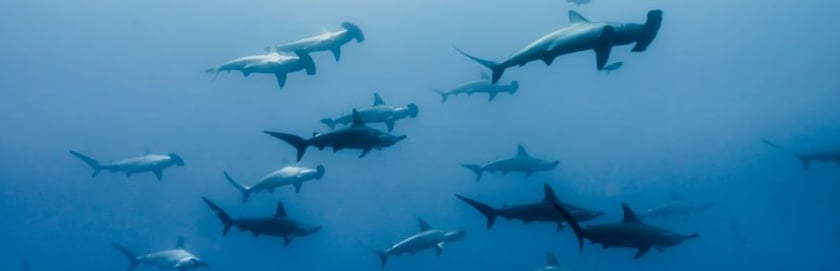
x,y
111,79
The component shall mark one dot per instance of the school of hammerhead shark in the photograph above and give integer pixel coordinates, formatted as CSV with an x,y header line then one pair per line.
x,y
579,36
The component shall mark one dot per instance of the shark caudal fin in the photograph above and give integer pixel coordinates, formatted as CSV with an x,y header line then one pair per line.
x,y
383,256
299,143
485,209
495,67
444,96
133,261
97,167
654,21
245,190
306,60
354,30
227,221
329,122
806,163
572,222
478,170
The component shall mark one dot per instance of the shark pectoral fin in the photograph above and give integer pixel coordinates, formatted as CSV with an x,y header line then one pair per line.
x,y
642,251
298,185
548,60
602,50
159,174
439,248
560,226
602,55
492,96
390,123
365,152
287,241
281,79
336,51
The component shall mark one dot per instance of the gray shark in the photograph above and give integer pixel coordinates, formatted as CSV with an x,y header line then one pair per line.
x,y
579,2
357,136
326,41
629,233
482,85
537,211
522,162
676,207
377,113
806,158
149,162
614,66
177,258
278,64
287,175
580,35
427,238
279,225
551,263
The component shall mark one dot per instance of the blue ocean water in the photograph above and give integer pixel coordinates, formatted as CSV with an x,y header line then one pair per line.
x,y
112,78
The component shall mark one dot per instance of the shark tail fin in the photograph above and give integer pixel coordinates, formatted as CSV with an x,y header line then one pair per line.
x,y
478,170
214,69
130,255
329,122
806,163
306,59
227,221
495,67
572,222
651,28
354,30
485,209
97,167
246,191
298,142
383,256
444,96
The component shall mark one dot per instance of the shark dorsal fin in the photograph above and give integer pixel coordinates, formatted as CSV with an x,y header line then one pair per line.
x,y
357,119
576,18
675,196
550,196
424,226
520,151
281,211
377,100
551,260
629,215
180,243
484,75
324,29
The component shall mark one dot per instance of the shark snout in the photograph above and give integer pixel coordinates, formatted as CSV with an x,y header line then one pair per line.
x,y
394,139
